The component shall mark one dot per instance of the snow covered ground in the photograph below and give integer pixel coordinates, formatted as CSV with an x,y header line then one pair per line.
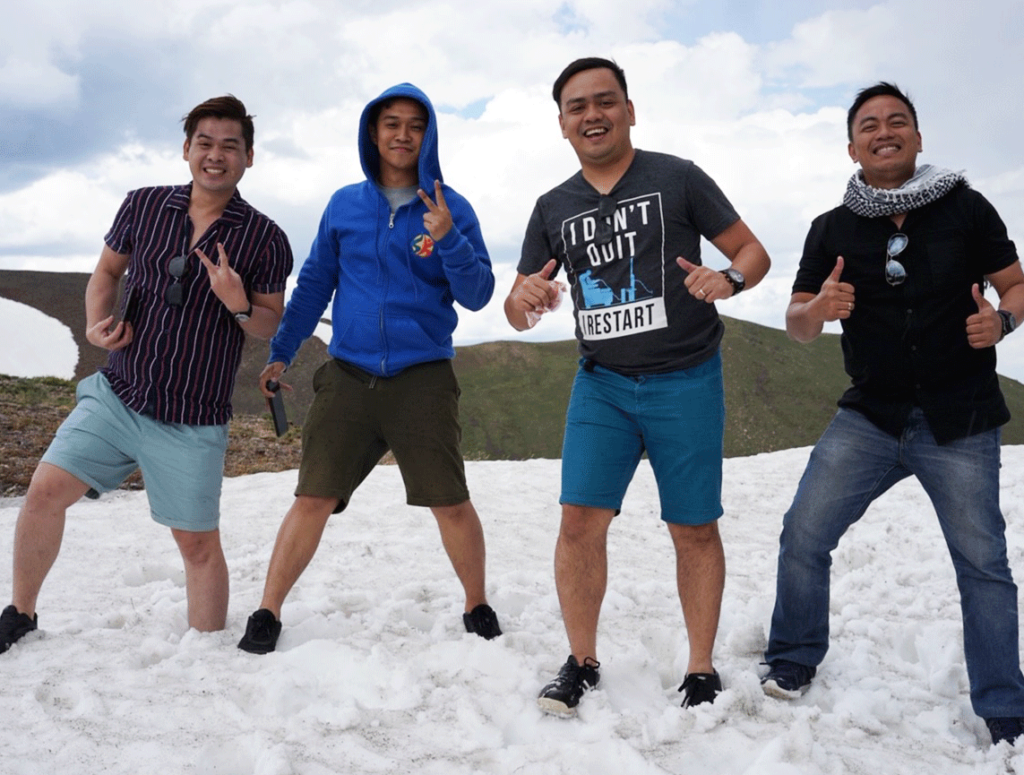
x,y
34,344
374,673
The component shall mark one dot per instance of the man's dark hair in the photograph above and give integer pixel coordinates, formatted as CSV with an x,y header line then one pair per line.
x,y
229,107
880,89
380,107
587,63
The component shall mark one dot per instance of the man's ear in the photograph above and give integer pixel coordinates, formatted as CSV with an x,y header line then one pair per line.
x,y
184,149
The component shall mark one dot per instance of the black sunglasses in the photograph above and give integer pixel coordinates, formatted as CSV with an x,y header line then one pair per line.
x,y
605,210
895,273
175,293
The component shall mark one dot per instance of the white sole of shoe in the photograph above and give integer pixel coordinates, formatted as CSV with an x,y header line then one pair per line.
x,y
555,708
772,689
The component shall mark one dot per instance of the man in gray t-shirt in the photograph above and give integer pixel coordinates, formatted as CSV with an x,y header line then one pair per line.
x,y
626,229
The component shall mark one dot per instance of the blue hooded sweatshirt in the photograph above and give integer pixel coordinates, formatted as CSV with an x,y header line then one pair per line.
x,y
394,288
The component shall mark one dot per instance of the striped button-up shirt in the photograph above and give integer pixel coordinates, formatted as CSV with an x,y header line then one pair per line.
x,y
181,364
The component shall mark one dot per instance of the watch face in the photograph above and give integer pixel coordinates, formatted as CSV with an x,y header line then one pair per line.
x,y
737,279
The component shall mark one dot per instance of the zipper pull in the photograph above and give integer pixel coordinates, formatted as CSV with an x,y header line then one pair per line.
x,y
391,222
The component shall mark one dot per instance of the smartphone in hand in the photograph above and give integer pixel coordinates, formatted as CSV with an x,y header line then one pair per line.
x,y
130,306
277,408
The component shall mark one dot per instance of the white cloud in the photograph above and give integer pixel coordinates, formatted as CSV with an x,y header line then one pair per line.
x,y
30,84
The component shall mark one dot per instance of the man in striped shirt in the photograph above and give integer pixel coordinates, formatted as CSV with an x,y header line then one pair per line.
x,y
203,270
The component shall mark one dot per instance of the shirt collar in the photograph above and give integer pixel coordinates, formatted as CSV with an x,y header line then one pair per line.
x,y
234,212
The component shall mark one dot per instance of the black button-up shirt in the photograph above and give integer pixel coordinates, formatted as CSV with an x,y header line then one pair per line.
x,y
906,345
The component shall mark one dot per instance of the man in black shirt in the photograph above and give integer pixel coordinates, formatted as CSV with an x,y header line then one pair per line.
x,y
902,264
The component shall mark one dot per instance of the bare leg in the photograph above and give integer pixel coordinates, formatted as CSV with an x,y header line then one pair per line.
x,y
463,539
700,576
206,578
40,530
297,542
581,574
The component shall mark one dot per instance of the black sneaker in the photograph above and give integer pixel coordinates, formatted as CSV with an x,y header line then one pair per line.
x,y
787,680
699,688
261,633
1008,729
15,625
482,621
561,696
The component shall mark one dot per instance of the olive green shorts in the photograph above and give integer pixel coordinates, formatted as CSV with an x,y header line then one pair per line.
x,y
356,417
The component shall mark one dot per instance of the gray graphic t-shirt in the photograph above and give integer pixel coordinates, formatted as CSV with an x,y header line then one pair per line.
x,y
633,312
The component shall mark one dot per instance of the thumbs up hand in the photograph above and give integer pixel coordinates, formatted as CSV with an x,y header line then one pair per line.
x,y
984,327
836,298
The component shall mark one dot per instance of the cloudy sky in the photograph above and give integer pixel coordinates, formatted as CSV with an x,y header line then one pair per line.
x,y
91,96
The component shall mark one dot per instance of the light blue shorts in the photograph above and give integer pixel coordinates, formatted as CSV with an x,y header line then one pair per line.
x,y
102,442
678,419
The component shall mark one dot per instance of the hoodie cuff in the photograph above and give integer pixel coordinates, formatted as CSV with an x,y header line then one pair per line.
x,y
451,239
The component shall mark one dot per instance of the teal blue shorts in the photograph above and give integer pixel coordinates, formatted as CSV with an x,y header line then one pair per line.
x,y
678,419
102,442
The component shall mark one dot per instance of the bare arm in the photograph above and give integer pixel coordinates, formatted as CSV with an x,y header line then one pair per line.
x,y
100,295
747,256
267,309
745,251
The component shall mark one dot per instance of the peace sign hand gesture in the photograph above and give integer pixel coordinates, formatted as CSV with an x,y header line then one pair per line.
x,y
438,218
225,282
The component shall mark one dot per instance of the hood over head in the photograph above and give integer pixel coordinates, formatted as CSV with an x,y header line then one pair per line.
x,y
429,166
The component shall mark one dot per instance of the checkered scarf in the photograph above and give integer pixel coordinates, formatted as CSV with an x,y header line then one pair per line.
x,y
928,184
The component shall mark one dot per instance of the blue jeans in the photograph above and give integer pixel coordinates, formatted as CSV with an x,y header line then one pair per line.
x,y
852,464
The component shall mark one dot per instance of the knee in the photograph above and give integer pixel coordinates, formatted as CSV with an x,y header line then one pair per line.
x,y
696,537
581,524
199,548
460,512
309,508
52,489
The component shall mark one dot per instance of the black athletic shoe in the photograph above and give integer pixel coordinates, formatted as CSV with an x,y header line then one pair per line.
x,y
699,688
261,633
561,696
1008,729
482,621
14,626
787,680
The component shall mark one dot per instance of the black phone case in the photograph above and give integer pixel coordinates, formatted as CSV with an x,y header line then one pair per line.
x,y
277,409
130,306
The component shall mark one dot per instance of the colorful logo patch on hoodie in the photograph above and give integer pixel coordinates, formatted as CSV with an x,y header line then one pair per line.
x,y
423,245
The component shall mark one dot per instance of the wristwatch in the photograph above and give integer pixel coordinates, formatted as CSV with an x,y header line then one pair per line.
x,y
1009,322
244,315
736,279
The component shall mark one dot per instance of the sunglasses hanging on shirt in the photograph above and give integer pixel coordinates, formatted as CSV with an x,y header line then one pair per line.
x,y
175,293
605,210
895,273
178,268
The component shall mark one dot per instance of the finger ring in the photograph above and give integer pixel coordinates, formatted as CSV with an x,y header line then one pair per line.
x,y
850,305
701,292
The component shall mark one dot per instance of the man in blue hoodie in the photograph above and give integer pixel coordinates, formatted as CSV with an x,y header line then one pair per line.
x,y
395,260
